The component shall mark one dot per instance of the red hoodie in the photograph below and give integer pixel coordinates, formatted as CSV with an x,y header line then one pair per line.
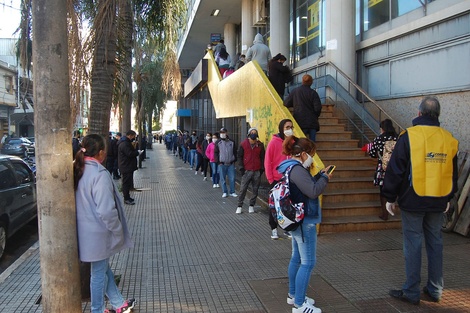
x,y
273,158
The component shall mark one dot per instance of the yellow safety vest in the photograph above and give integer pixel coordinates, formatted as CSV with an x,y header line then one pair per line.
x,y
432,150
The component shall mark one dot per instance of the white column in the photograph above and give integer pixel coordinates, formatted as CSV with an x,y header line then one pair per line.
x,y
247,32
230,39
279,27
340,37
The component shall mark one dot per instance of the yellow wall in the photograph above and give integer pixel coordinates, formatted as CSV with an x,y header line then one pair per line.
x,y
248,92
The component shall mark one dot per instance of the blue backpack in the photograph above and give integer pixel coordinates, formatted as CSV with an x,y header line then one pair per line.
x,y
288,215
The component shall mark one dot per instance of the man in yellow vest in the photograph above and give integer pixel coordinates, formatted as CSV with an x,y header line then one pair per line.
x,y
422,177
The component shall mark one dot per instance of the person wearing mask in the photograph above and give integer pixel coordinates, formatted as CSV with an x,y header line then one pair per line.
x,y
307,107
259,52
279,74
422,176
303,188
274,156
251,165
127,162
101,223
376,150
205,159
191,144
214,166
225,154
223,60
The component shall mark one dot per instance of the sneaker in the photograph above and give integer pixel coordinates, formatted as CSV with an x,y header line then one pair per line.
x,y
129,202
251,209
239,210
195,173
224,195
218,186
204,179
233,194
288,234
306,308
109,311
214,186
274,235
127,307
132,199
291,300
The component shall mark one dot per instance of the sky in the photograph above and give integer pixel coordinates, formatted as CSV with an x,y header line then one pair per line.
x,y
9,18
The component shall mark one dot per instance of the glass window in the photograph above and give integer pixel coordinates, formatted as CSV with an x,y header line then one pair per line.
x,y
309,33
376,12
23,173
400,7
7,178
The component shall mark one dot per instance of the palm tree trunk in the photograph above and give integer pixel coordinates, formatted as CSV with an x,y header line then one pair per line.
x,y
126,27
60,278
104,68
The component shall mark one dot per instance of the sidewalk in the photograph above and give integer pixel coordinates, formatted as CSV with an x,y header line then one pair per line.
x,y
194,254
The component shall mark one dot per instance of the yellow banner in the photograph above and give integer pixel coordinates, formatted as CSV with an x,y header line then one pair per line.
x,y
313,15
374,2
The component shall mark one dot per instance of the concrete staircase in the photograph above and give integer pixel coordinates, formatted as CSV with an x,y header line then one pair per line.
x,y
351,201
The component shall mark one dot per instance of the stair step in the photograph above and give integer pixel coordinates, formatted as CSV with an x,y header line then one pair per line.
x,y
331,196
336,143
333,135
369,208
348,161
340,152
356,182
354,171
332,128
358,223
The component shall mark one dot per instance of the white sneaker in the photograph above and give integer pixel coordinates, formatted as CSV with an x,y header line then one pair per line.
x,y
195,173
239,210
214,186
274,235
217,185
234,195
251,209
204,179
306,308
291,300
224,195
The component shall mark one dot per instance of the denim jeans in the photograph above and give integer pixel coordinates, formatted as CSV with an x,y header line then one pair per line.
x,y
215,173
253,177
227,170
303,260
310,133
192,158
416,226
185,153
101,283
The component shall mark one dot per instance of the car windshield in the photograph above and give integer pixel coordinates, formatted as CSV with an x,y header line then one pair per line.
x,y
15,142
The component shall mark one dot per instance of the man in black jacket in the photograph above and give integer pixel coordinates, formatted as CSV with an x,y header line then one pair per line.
x,y
127,162
307,107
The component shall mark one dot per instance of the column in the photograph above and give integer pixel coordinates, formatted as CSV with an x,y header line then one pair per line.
x,y
230,39
247,31
279,27
340,36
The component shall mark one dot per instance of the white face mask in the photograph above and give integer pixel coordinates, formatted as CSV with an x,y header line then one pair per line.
x,y
307,163
223,136
208,138
288,132
214,140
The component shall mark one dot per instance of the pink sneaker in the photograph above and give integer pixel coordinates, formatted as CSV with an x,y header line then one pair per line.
x,y
127,307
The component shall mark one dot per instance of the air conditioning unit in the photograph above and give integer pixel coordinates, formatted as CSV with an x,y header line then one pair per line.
x,y
259,13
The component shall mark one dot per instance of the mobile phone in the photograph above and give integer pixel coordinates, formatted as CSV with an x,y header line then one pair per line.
x,y
331,169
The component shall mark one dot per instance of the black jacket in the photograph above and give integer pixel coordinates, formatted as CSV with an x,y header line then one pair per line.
x,y
279,75
397,181
307,107
127,156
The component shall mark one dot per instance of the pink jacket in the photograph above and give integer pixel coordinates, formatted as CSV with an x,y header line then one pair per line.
x,y
273,158
210,152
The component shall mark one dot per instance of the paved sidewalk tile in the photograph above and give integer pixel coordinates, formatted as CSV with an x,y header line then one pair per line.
x,y
192,253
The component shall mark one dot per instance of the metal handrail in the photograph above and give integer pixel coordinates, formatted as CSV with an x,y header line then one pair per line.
x,y
362,98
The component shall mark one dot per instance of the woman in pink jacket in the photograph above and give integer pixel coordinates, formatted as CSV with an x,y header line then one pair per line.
x,y
213,163
272,159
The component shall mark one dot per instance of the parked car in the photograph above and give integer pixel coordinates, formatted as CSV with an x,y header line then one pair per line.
x,y
18,146
17,197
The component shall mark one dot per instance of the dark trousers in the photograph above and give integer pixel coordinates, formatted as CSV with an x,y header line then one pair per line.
x,y
272,220
127,184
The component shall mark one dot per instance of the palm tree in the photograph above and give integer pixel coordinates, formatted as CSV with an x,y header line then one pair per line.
x,y
55,193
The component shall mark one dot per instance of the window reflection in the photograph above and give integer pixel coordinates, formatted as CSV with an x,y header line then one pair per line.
x,y
308,31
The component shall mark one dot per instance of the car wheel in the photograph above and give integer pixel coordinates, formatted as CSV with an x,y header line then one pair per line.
x,y
3,238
